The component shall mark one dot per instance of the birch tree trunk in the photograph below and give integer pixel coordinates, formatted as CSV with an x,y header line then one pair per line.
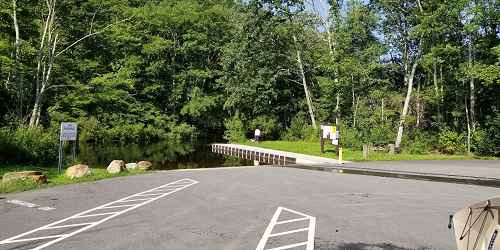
x,y
304,83
17,50
355,113
331,44
47,70
45,60
442,83
418,105
382,112
472,89
467,115
337,111
409,78
353,105
436,90
326,22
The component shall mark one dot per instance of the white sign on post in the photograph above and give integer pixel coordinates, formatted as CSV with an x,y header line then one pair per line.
x,y
68,131
326,131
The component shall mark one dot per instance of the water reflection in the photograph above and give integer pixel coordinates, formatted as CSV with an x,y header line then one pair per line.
x,y
164,155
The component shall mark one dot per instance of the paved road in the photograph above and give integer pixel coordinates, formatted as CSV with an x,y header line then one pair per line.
x,y
231,209
473,168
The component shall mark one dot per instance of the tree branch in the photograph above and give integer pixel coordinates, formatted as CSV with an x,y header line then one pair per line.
x,y
91,34
69,85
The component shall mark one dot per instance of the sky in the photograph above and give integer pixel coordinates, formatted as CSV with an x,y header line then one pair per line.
x,y
322,7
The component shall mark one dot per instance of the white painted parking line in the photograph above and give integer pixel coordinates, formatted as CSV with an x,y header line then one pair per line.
x,y
38,238
142,199
71,225
91,213
289,232
290,246
127,205
148,194
292,220
274,221
94,215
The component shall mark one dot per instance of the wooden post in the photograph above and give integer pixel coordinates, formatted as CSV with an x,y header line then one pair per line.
x,y
365,152
340,156
322,141
73,152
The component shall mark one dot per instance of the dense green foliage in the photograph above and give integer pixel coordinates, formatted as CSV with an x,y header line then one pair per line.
x,y
25,145
146,70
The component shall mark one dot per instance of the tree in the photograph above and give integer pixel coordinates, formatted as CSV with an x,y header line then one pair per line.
x,y
401,20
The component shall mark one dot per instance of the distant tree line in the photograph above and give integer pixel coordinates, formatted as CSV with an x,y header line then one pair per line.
x,y
423,75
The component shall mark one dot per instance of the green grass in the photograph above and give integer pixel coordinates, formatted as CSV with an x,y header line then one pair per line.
x,y
313,148
53,178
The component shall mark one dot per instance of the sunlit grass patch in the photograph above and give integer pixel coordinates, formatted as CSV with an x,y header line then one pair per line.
x,y
53,177
313,148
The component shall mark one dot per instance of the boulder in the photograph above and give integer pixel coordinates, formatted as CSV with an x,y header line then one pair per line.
x,y
35,176
131,165
39,178
78,171
145,165
116,167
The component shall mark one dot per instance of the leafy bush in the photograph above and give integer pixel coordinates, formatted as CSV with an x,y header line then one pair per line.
x,y
294,133
300,130
486,141
350,138
421,143
235,130
480,144
90,130
28,145
381,134
151,133
125,132
179,132
451,142
268,125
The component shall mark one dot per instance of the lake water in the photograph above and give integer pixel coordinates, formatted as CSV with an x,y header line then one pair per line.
x,y
164,155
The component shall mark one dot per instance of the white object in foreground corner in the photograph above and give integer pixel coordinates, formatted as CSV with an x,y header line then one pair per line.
x,y
476,227
310,229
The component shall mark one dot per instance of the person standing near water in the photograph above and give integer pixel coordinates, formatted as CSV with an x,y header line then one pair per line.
x,y
257,134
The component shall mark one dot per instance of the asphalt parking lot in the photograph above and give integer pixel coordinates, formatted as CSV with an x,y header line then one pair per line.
x,y
238,208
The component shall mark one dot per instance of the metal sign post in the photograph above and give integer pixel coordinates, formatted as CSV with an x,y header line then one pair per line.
x,y
68,133
59,164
